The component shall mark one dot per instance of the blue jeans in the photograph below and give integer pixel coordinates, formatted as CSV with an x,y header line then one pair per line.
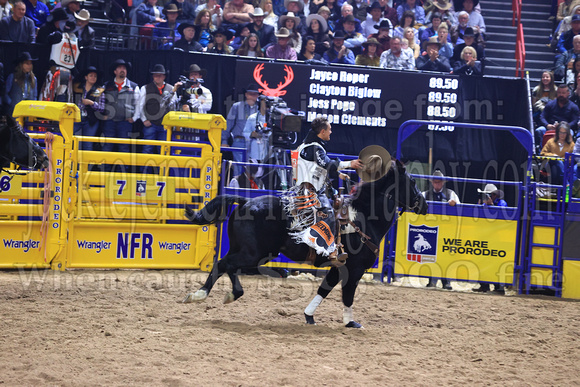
x,y
557,171
154,132
84,128
118,129
239,157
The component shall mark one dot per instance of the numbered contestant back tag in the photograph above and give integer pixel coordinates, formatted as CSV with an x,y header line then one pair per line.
x,y
10,185
134,188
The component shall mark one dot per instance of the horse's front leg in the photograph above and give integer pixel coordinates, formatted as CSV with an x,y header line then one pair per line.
x,y
237,290
334,275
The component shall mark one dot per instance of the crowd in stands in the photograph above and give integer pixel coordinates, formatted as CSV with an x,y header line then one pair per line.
x,y
341,31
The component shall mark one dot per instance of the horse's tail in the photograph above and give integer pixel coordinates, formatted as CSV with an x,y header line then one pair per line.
x,y
215,211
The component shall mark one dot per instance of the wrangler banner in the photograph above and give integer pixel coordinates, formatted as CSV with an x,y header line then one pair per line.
x,y
454,247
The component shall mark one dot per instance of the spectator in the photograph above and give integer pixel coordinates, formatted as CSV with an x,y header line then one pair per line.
x,y
563,69
566,39
251,47
251,177
374,18
282,49
564,26
148,12
318,30
469,65
446,49
21,85
220,38
153,107
265,32
345,11
431,60
334,9
564,9
558,146
408,20
389,12
369,56
360,9
444,8
439,193
257,140
166,32
187,43
5,9
186,11
412,6
297,8
411,35
338,53
90,98
558,110
353,39
86,34
205,28
383,36
242,32
18,28
469,40
291,22
121,97
215,13
193,97
309,50
51,32
457,31
575,98
325,13
543,93
37,11
271,18
71,7
430,31
236,121
395,58
475,19
237,12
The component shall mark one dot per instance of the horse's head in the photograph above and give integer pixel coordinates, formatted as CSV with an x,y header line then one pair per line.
x,y
407,194
17,147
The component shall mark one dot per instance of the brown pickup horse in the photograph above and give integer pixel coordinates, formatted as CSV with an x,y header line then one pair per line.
x,y
258,232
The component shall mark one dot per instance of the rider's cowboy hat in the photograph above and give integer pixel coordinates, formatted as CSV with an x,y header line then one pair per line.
x,y
491,189
376,163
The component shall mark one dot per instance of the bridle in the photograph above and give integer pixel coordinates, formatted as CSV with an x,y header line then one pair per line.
x,y
405,206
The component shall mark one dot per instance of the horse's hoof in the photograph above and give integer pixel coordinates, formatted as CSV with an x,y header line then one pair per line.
x,y
309,319
198,296
229,298
354,324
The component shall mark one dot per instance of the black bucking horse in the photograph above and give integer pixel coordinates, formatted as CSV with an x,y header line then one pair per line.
x,y
18,148
258,232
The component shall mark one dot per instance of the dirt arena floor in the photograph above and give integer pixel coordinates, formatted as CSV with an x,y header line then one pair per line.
x,y
89,328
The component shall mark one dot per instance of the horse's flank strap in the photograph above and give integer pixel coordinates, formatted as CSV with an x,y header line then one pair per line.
x,y
365,239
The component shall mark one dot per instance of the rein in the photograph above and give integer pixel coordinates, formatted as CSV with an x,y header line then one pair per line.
x,y
364,238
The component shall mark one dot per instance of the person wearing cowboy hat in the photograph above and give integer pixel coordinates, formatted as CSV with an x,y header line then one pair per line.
x,y
196,98
237,12
85,33
89,96
318,29
266,33
383,36
491,196
374,17
71,7
475,19
236,122
431,60
347,11
17,27
57,23
186,11
21,84
121,96
282,49
164,30
442,7
187,43
312,173
290,21
37,11
369,56
153,106
469,39
338,53
250,179
221,36
353,39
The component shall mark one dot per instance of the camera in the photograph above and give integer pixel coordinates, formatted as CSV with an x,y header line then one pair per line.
x,y
189,87
283,122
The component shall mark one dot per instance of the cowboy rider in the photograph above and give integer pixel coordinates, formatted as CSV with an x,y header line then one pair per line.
x,y
314,167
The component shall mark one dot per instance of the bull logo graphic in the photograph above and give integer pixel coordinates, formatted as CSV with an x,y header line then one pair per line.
x,y
279,90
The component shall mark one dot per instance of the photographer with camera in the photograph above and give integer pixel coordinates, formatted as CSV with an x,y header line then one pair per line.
x,y
257,134
188,95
